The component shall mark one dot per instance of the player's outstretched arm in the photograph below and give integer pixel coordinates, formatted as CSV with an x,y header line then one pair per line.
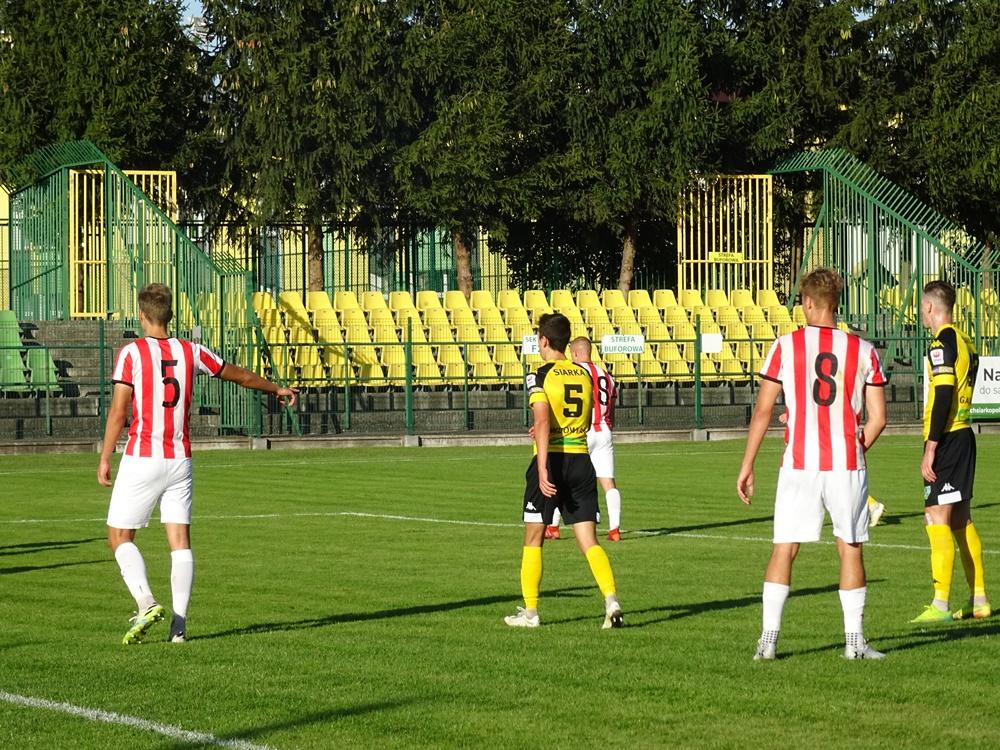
x,y
247,379
767,396
121,396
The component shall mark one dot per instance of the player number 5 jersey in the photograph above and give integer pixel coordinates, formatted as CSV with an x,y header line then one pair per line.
x,y
567,389
161,373
823,373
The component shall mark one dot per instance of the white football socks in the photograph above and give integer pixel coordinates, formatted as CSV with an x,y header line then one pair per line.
x,y
774,597
613,498
133,569
853,603
181,580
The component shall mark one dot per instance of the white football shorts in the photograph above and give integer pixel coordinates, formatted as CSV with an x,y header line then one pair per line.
x,y
142,483
601,447
803,496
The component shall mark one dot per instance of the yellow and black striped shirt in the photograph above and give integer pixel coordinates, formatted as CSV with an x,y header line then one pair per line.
x,y
951,362
568,390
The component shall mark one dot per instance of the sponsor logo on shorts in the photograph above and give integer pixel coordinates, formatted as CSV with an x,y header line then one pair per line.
x,y
947,488
531,507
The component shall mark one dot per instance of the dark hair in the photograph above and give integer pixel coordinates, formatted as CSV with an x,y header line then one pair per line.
x,y
155,301
942,294
555,327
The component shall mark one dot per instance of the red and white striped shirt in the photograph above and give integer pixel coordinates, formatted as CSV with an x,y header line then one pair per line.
x,y
605,393
823,372
161,373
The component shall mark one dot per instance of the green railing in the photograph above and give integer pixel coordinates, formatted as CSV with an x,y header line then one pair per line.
x,y
888,244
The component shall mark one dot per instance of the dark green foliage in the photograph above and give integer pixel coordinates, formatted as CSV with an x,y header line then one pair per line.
x,y
121,73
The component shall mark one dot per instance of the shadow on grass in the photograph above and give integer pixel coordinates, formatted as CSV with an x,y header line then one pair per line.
x,y
668,530
25,549
316,717
680,611
382,614
32,568
894,519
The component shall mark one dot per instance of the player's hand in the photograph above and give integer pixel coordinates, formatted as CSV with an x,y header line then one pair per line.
x,y
783,417
744,484
531,432
927,464
548,489
104,472
286,396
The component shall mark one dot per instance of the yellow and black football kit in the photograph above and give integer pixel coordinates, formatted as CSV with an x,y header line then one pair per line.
x,y
567,389
951,365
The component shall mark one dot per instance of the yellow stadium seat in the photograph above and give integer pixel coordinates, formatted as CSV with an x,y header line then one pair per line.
x,y
318,300
307,355
300,335
778,315
274,335
427,374
594,315
716,298
509,298
621,367
512,373
313,376
453,372
519,330
587,298
482,299
664,298
762,331
494,333
639,299
490,316
657,332
435,316
648,315
622,314
691,298
629,328
612,298
372,301
798,315
400,301
767,298
262,301
649,368
357,333
753,314
730,368
393,375
484,371
741,298
677,371
600,330
675,315
505,353
269,317
455,299
427,299
667,351
561,298
345,300
449,353
725,315
534,299
517,316
463,316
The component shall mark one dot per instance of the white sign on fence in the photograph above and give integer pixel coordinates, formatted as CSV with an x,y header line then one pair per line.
x,y
618,343
529,345
711,343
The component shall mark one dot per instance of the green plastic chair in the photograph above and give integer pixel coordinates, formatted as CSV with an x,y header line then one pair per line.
x,y
43,377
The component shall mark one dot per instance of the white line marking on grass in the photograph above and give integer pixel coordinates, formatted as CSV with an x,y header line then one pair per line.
x,y
487,524
110,717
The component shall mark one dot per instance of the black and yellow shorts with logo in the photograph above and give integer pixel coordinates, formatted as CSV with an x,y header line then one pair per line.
x,y
955,467
576,490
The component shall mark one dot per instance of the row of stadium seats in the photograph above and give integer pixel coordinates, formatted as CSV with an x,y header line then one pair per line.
x,y
23,369
323,341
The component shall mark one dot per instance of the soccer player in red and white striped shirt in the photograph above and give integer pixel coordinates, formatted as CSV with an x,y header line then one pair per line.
x,y
827,376
155,375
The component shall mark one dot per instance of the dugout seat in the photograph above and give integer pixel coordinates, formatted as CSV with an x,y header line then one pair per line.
x,y
648,315
509,298
587,298
345,300
427,300
455,299
371,301
767,298
716,298
318,300
401,301
482,299
691,298
741,298
638,299
613,298
561,298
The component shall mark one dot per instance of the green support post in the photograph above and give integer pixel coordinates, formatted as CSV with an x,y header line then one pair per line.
x,y
347,387
465,384
698,422
102,406
408,358
639,388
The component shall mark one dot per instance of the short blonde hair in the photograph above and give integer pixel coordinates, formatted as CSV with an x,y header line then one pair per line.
x,y
823,285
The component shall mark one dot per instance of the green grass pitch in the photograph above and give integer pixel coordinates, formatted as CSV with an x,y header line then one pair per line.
x,y
354,598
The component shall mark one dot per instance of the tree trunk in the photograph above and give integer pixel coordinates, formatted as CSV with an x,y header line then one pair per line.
x,y
463,262
314,254
628,259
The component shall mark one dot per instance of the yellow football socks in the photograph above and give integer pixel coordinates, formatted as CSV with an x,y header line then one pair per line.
x,y
942,559
600,566
531,575
971,548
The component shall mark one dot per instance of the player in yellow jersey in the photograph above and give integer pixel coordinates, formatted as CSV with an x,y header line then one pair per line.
x,y
949,462
561,474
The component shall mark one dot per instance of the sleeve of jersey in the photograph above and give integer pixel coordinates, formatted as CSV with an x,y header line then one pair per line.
x,y
207,361
876,375
123,368
533,382
942,355
772,363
